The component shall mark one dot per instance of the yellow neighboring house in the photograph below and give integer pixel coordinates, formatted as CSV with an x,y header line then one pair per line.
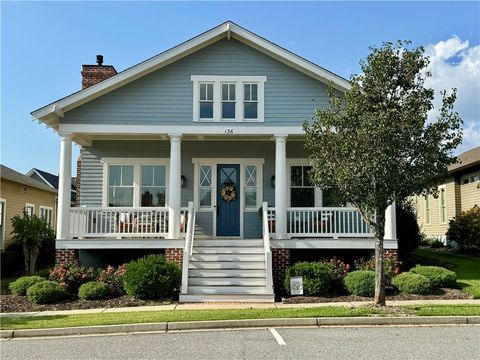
x,y
18,192
459,192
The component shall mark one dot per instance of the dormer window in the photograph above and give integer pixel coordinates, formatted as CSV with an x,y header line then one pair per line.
x,y
228,98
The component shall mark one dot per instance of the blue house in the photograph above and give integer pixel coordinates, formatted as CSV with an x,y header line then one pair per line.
x,y
199,152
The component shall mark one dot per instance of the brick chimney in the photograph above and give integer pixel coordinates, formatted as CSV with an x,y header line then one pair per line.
x,y
93,74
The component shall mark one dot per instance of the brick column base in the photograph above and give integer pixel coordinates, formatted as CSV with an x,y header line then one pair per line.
x,y
391,254
175,255
280,262
66,256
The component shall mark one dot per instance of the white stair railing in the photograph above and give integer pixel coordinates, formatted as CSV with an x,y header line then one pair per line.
x,y
187,251
268,251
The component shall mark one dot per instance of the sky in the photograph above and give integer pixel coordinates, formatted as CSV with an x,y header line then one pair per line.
x,y
44,44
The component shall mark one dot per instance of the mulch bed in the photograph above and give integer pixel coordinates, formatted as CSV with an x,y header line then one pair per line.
x,y
440,294
13,303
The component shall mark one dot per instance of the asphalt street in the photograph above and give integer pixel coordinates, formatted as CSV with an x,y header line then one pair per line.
x,y
432,342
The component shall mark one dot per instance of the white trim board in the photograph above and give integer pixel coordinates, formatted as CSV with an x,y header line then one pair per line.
x,y
330,243
119,244
51,113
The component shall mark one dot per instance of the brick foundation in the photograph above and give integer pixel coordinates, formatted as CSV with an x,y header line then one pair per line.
x,y
66,256
175,255
390,253
280,262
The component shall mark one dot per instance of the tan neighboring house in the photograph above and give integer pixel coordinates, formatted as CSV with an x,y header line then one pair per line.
x,y
18,192
459,192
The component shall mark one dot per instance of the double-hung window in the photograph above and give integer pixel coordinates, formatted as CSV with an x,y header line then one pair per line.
x,y
30,209
251,185
206,101
205,188
443,205
427,210
153,191
250,101
46,213
120,185
228,101
302,190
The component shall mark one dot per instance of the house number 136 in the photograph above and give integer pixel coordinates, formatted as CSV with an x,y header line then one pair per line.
x,y
228,131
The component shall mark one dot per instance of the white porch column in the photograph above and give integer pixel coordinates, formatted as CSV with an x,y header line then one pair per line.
x,y
391,222
174,195
64,187
281,186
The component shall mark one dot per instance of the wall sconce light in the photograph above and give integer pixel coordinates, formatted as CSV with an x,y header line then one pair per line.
x,y
183,181
272,181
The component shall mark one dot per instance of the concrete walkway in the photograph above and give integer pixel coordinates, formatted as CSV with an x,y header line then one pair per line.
x,y
216,306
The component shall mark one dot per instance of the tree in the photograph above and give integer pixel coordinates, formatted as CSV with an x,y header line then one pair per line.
x,y
408,231
374,145
30,232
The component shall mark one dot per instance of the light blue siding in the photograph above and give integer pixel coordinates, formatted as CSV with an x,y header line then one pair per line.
x,y
165,96
92,169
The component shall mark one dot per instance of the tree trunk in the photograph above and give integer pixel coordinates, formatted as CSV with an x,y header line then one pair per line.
x,y
379,259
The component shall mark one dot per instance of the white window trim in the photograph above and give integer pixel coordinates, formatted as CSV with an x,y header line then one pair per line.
x,y
30,205
427,210
301,162
444,188
43,207
197,162
4,215
217,80
137,163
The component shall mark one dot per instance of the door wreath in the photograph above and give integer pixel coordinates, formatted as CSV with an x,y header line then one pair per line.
x,y
228,192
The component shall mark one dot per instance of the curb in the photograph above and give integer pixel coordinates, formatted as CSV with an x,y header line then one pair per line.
x,y
238,324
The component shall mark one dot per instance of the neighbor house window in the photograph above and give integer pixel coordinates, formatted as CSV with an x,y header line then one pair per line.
x,y
205,193
154,186
443,206
470,179
302,190
120,185
228,101
250,101
30,209
46,213
427,209
251,183
206,101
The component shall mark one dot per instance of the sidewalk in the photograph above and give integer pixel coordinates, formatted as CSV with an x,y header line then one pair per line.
x,y
211,306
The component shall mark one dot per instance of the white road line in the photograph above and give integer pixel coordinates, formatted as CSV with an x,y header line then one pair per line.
x,y
277,336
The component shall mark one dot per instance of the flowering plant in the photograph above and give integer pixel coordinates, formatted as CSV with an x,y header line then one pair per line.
x,y
71,275
228,192
113,279
391,266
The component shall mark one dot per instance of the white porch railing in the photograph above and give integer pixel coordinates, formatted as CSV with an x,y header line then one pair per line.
x,y
268,251
188,249
326,222
118,222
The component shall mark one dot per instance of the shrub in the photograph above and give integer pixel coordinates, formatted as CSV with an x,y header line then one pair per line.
x,y
20,286
360,282
408,231
318,277
390,267
46,292
411,283
438,276
113,279
71,275
464,230
93,290
151,277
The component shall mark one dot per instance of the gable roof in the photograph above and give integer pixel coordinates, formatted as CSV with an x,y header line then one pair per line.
x,y
51,113
12,175
465,160
52,181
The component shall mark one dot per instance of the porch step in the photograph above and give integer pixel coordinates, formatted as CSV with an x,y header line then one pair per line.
x,y
220,273
238,298
227,257
226,290
227,250
214,281
227,265
227,242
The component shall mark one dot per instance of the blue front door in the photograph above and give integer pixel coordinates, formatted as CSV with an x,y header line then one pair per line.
x,y
228,200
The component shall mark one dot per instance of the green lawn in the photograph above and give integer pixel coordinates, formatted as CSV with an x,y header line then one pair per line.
x,y
56,321
4,282
466,268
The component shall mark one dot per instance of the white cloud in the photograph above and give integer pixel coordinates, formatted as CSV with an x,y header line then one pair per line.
x,y
456,64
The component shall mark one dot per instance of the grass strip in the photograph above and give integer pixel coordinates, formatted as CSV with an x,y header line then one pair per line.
x,y
55,321
442,310
466,268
